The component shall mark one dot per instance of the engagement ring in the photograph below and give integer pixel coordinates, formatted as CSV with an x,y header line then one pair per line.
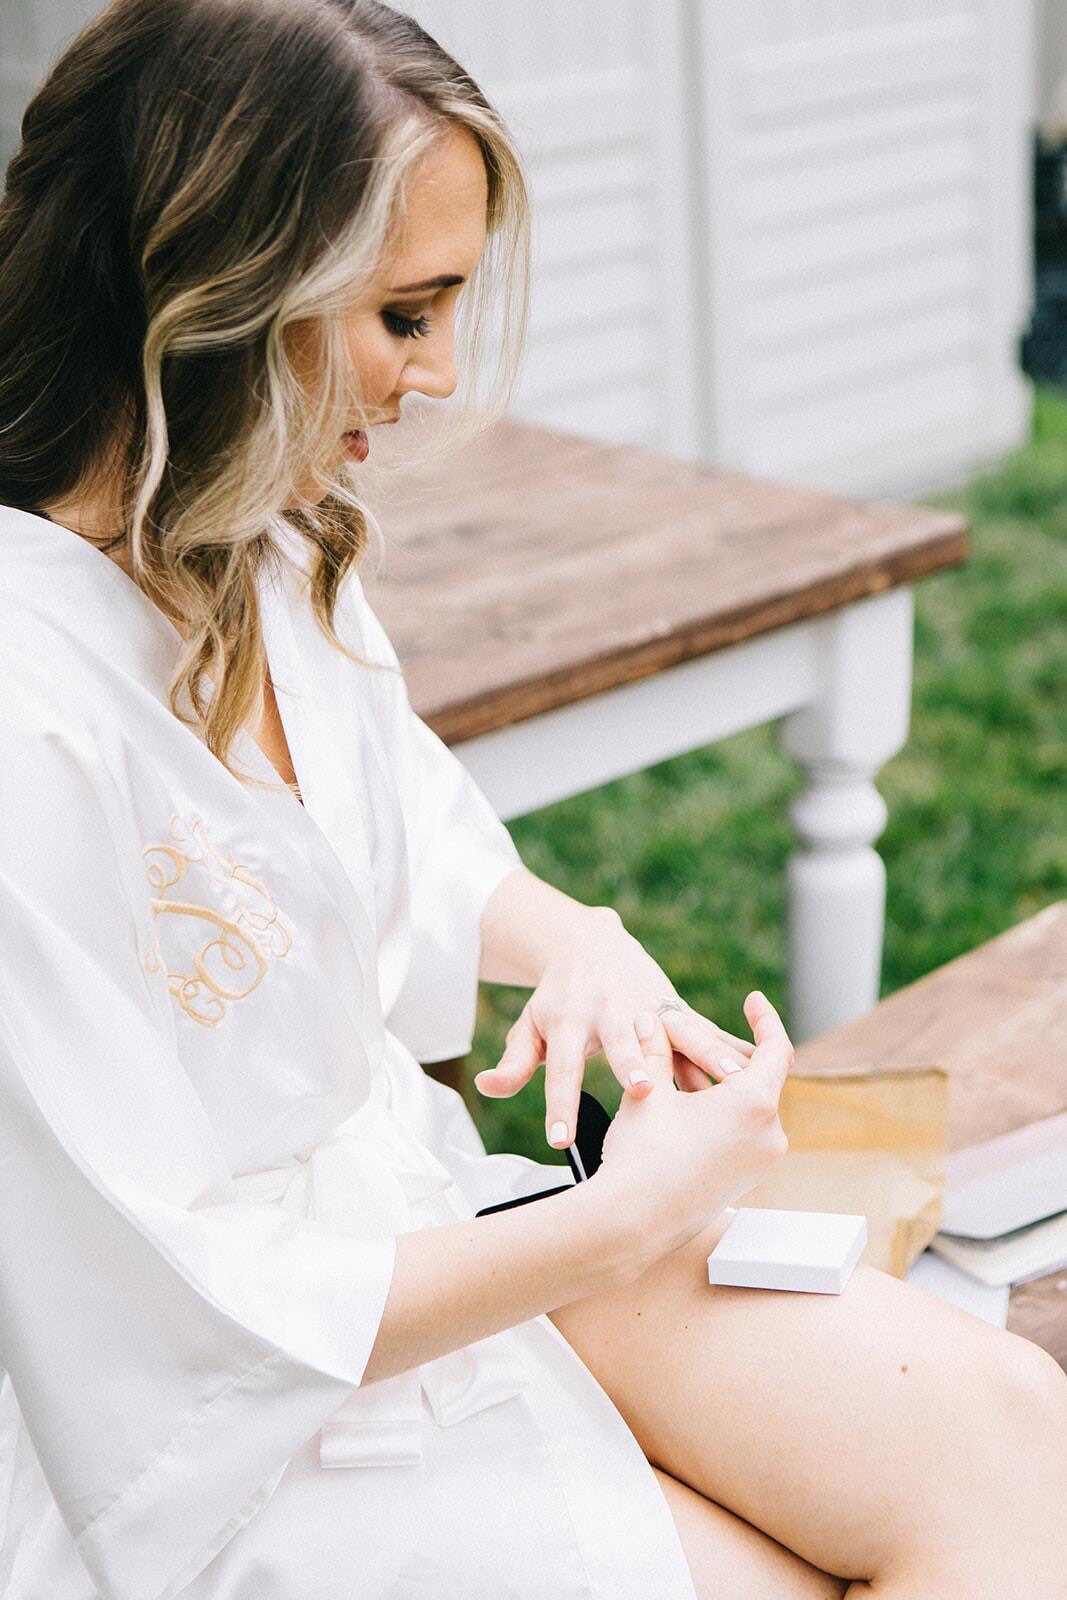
x,y
673,1004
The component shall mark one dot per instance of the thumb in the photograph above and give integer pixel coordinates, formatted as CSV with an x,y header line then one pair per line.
x,y
521,1058
656,1048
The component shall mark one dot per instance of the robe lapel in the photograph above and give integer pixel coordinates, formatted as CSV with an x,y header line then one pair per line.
x,y
312,686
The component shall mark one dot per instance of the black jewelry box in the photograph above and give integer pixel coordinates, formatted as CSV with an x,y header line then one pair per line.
x,y
583,1156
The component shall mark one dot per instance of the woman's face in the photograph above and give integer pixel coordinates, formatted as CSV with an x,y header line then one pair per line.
x,y
400,335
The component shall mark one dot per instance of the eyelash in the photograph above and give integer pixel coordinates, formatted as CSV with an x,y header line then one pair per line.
x,y
406,327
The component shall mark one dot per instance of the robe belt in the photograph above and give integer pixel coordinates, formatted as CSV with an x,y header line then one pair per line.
x,y
371,1179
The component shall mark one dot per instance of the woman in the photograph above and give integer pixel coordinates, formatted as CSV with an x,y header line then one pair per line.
x,y
257,1342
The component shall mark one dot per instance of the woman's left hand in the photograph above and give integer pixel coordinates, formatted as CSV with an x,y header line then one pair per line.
x,y
591,995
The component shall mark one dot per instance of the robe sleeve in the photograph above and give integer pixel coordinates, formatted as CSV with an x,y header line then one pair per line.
x,y
458,851
170,1344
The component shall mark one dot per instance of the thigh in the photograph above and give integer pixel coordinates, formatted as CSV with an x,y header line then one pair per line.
x,y
728,1556
837,1424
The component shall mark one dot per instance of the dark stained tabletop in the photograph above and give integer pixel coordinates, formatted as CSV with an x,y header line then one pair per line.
x,y
532,569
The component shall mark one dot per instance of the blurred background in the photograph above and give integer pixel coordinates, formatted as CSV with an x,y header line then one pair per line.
x,y
824,242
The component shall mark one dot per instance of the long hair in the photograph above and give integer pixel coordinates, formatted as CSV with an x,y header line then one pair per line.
x,y
196,179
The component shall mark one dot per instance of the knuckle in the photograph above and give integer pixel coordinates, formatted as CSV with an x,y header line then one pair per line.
x,y
778,1141
760,1109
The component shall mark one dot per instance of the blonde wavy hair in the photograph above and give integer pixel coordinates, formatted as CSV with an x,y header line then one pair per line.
x,y
196,180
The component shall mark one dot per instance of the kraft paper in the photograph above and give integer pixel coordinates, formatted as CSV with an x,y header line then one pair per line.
x,y
870,1141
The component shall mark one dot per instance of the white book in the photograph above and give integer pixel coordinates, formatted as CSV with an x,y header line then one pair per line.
x,y
1006,1183
1005,1205
1018,1257
939,1277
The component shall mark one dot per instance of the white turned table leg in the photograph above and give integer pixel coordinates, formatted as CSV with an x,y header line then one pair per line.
x,y
857,718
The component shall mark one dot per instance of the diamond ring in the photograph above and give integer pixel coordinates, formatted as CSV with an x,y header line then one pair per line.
x,y
673,1003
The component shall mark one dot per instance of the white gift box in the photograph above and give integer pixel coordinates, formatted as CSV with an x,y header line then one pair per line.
x,y
814,1251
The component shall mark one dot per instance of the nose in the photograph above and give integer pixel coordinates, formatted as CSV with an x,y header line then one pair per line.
x,y
438,380
432,369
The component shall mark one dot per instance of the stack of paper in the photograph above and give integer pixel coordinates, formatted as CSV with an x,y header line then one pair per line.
x,y
1005,1205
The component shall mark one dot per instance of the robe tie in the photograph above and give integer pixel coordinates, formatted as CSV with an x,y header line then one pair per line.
x,y
371,1179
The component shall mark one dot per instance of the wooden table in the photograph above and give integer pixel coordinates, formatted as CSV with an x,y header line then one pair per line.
x,y
568,611
996,1020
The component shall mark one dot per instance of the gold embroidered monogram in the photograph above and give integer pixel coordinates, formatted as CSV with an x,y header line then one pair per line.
x,y
243,941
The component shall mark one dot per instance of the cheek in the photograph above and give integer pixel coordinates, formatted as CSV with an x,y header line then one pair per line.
x,y
378,360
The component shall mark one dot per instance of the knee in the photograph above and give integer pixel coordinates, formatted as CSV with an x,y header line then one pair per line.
x,y
1013,1410
1031,1392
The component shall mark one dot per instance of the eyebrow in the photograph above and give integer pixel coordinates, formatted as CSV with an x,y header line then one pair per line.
x,y
446,281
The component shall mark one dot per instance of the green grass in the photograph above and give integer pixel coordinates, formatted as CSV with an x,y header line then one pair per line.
x,y
692,852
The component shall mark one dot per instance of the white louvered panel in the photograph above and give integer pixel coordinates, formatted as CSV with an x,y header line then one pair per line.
x,y
846,130
595,99
568,233
867,218
820,306
865,181
777,81
587,294
503,41
608,348
626,413
596,275
896,407
807,252
850,359
575,111
625,168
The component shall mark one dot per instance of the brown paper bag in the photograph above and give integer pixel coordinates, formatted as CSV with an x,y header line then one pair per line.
x,y
870,1141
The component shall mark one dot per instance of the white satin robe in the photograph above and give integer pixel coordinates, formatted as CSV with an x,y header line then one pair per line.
x,y
213,1125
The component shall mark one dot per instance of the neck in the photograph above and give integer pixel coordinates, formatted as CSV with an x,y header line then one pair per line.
x,y
90,520
85,519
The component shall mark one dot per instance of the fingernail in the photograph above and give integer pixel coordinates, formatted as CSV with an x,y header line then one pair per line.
x,y
637,1076
558,1134
645,1025
729,1066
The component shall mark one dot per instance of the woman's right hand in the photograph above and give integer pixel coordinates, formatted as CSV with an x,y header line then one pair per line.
x,y
672,1162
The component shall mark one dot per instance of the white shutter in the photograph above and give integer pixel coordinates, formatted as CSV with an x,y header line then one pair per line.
x,y
594,94
867,217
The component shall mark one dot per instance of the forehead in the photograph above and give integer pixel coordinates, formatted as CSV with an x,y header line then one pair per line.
x,y
444,224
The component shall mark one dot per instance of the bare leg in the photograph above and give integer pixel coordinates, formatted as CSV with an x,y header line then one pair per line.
x,y
729,1557
882,1435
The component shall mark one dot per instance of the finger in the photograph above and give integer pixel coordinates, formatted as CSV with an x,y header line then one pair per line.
x,y
655,1048
774,1048
699,1077
743,1047
689,1077
564,1071
763,1019
623,1053
522,1056
705,1044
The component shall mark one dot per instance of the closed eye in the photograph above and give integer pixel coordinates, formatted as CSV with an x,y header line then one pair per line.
x,y
406,327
